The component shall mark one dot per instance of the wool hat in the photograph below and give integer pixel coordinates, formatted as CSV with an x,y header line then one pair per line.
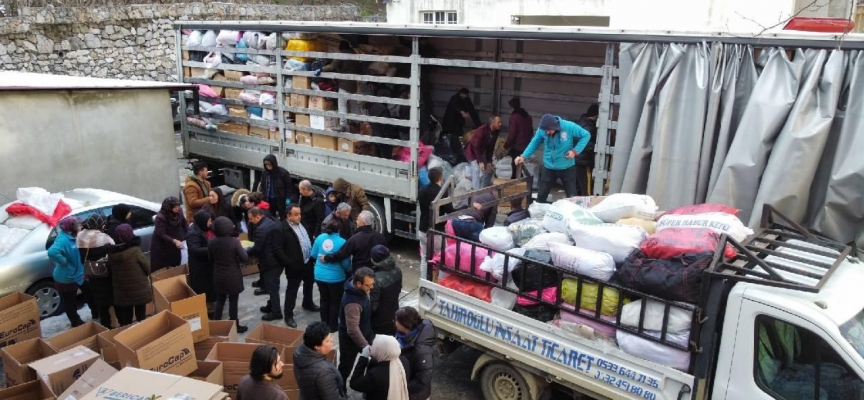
x,y
124,233
549,122
380,253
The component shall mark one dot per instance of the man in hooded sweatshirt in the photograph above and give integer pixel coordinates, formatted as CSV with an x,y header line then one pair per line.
x,y
196,190
354,195
276,186
563,141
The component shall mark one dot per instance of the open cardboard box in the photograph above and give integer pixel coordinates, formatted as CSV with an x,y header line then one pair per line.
x,y
173,294
19,319
235,359
61,370
220,331
279,336
209,371
133,383
16,358
162,343
163,274
35,390
84,335
108,347
97,374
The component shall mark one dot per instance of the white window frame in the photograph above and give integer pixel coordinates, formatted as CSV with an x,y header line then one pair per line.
x,y
436,17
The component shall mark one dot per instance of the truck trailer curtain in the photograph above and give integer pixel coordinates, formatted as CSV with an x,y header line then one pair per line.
x,y
715,122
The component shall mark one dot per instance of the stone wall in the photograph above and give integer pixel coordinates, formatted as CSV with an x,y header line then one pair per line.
x,y
129,42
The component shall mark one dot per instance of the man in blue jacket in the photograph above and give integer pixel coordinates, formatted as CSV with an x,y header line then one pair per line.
x,y
562,141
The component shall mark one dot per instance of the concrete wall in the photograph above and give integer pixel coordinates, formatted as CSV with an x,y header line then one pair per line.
x,y
115,140
130,42
678,15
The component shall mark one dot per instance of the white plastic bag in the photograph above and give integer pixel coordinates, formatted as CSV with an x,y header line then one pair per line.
x,y
590,263
656,352
209,39
219,109
495,264
261,60
504,167
617,240
717,222
542,241
503,298
497,237
227,38
537,210
564,212
250,96
194,39
213,59
267,98
251,39
522,231
271,41
679,319
625,205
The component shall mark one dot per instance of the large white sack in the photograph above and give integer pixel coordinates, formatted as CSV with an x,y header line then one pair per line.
x,y
251,39
522,231
9,238
717,222
537,210
227,38
504,168
562,212
495,264
656,352
617,240
503,298
587,262
209,39
625,205
542,241
497,237
194,38
679,319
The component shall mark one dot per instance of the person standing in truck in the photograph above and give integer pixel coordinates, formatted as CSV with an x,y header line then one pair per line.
x,y
459,107
345,86
196,189
276,186
562,142
585,160
480,150
521,127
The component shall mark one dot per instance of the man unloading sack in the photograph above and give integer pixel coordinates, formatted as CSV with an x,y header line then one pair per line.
x,y
563,140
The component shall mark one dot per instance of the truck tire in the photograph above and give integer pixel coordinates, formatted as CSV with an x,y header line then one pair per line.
x,y
377,208
500,381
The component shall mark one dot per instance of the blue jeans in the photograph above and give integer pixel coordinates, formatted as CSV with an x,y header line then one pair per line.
x,y
479,179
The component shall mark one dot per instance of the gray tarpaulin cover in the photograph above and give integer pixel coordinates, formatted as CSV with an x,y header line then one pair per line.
x,y
725,124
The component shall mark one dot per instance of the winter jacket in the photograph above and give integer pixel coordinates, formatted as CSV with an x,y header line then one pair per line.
x,y
200,265
112,225
227,253
481,148
329,272
359,248
346,226
520,129
570,137
375,383
586,157
195,197
418,352
289,253
163,252
355,196
312,213
130,275
355,316
68,267
384,297
317,378
425,197
94,245
486,216
267,236
453,122
280,180
329,206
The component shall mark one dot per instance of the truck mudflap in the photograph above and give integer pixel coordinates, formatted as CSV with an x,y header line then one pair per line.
x,y
549,351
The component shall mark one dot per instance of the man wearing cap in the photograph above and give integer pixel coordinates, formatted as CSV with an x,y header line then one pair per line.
x,y
562,141
385,294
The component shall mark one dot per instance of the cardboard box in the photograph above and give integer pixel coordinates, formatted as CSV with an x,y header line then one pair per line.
x,y
233,76
108,346
250,267
36,390
173,294
511,190
278,336
220,332
324,141
231,93
237,111
264,132
321,122
302,120
19,319
185,55
187,72
298,100
289,136
84,335
303,138
205,73
301,82
235,362
161,343
209,371
96,375
236,128
346,145
322,103
133,383
169,272
61,370
16,358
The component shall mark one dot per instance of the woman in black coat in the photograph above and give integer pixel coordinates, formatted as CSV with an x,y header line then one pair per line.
x,y
130,275
227,253
168,234
200,265
94,245
417,338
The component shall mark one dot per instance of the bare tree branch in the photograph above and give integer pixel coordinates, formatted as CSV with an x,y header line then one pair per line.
x,y
812,6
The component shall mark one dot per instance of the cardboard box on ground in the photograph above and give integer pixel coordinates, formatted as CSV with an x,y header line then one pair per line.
x,y
235,359
84,335
35,390
96,375
220,331
162,343
17,357
19,319
173,294
133,383
61,370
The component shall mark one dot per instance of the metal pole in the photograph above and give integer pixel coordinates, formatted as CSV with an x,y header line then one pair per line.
x,y
603,148
280,103
181,96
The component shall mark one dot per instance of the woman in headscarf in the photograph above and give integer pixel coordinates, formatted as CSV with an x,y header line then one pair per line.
x,y
227,253
68,269
120,214
382,377
94,246
200,264
130,273
168,234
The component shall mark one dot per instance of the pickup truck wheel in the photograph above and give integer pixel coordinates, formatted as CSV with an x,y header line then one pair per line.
x,y
500,381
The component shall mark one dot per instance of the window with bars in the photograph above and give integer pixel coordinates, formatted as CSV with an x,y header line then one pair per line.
x,y
439,17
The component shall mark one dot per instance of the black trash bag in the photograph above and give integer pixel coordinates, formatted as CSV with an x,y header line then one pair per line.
x,y
516,216
540,312
443,150
676,279
197,56
536,277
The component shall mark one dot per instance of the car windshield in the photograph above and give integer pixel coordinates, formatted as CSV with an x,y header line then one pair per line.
x,y
853,331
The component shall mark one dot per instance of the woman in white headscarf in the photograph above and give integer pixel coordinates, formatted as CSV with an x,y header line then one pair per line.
x,y
383,377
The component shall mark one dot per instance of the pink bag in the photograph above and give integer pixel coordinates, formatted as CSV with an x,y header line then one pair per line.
x,y
423,153
465,260
249,79
207,91
569,316
549,295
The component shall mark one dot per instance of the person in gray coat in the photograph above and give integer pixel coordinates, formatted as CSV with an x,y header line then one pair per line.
x,y
227,253
317,378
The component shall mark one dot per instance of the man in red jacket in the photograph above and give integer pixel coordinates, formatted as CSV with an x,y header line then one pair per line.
x,y
480,150
521,130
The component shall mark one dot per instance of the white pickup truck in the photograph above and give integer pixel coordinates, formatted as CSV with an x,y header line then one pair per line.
x,y
781,320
